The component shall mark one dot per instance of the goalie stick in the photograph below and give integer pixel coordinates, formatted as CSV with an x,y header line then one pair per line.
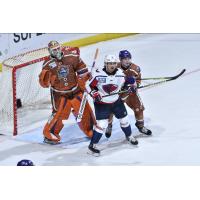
x,y
152,84
85,94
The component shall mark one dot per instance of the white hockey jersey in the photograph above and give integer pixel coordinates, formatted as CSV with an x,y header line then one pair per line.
x,y
106,84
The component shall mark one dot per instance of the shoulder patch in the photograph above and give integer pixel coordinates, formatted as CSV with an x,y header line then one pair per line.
x,y
101,79
52,65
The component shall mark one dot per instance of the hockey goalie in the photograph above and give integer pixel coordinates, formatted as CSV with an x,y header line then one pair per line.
x,y
65,73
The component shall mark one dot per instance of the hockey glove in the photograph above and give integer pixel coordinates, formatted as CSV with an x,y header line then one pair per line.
x,y
130,84
132,88
96,96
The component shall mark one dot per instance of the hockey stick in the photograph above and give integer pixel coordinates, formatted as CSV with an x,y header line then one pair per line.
x,y
151,84
85,94
157,78
163,81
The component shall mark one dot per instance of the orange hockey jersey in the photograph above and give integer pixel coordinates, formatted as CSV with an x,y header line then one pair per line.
x,y
62,75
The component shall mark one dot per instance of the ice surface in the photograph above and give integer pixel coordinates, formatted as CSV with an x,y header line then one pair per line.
x,y
172,111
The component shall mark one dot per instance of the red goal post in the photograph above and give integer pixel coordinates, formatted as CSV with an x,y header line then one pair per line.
x,y
13,69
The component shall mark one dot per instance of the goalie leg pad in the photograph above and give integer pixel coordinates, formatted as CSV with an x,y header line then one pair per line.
x,y
58,127
49,133
88,119
54,125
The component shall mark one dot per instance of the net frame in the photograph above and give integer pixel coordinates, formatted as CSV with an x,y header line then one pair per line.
x,y
17,62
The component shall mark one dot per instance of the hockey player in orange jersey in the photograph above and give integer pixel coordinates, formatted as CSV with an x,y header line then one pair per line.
x,y
133,100
65,73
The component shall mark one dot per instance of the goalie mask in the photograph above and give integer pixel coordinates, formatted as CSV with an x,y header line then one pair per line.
x,y
110,63
55,50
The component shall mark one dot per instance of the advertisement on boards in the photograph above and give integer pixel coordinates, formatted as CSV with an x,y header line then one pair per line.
x,y
15,43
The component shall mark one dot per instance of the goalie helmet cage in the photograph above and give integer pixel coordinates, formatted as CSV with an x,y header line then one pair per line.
x,y
19,84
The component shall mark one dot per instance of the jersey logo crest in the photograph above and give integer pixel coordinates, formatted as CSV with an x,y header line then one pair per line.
x,y
63,72
110,88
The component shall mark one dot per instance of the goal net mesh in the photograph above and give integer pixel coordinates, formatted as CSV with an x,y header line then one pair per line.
x,y
24,104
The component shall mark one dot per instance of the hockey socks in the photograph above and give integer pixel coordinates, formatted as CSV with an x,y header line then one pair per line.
x,y
92,146
108,130
127,130
96,137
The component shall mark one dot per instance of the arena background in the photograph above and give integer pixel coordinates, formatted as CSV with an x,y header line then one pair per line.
x,y
15,43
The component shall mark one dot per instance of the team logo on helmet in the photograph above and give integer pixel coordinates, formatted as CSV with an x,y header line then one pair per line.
x,y
110,59
53,44
124,54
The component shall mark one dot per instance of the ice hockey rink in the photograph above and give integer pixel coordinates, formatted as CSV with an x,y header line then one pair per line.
x,y
172,111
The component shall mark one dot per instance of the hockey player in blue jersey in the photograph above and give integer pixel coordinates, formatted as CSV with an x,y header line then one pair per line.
x,y
132,100
107,81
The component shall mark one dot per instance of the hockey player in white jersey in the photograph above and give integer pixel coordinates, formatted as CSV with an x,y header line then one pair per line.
x,y
107,81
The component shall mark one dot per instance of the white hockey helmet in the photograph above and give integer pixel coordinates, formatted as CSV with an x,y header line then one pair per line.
x,y
110,59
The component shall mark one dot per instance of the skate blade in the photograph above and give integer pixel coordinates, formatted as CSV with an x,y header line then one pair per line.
x,y
134,144
46,141
93,154
142,135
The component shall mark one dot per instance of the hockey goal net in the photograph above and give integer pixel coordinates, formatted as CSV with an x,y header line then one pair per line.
x,y
24,104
